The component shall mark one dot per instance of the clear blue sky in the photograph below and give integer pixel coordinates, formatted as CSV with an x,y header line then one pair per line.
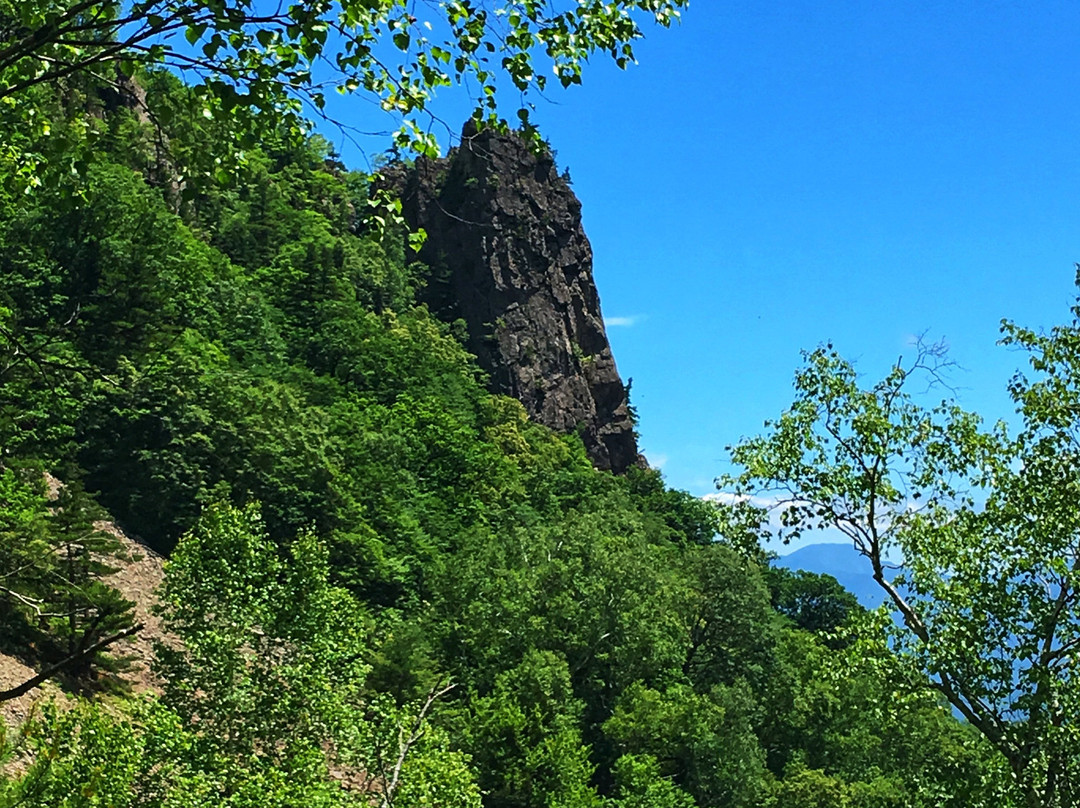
x,y
775,175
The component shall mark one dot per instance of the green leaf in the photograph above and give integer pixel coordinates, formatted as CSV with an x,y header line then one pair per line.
x,y
194,32
417,239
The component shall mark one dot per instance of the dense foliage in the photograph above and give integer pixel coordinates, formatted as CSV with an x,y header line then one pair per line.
x,y
386,585
261,69
985,524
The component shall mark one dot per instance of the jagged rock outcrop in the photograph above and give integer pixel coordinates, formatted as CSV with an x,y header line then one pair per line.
x,y
509,257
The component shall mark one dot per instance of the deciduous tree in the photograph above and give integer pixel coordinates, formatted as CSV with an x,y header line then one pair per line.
x,y
256,66
984,525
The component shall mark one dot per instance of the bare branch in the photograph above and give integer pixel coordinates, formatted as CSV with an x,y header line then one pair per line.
x,y
415,734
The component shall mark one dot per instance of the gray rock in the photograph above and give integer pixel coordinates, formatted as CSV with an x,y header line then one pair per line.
x,y
510,258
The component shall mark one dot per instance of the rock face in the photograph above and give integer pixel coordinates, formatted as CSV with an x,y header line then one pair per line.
x,y
510,258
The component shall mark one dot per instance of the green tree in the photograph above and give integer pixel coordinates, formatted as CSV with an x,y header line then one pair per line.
x,y
988,591
26,553
270,651
56,609
642,785
83,609
526,738
729,622
267,680
263,672
813,602
863,716
254,66
705,741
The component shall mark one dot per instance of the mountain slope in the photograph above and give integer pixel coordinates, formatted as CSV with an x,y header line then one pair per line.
x,y
841,561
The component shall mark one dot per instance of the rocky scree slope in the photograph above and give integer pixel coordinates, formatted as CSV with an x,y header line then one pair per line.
x,y
139,573
509,257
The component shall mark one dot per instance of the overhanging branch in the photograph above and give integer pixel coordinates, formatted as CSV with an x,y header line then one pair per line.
x,y
53,670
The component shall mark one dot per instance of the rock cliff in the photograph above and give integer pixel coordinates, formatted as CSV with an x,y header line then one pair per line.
x,y
510,258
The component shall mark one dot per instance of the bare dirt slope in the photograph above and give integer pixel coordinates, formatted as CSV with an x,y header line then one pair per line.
x,y
138,580
140,573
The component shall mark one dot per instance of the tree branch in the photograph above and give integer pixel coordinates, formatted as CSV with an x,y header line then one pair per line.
x,y
416,733
52,670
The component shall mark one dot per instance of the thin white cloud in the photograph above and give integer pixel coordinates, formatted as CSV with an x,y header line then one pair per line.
x,y
774,505
657,461
767,502
626,322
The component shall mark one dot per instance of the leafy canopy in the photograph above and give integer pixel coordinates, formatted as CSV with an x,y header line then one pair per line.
x,y
984,523
255,65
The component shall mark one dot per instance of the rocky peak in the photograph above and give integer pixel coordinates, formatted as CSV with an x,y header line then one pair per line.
x,y
509,256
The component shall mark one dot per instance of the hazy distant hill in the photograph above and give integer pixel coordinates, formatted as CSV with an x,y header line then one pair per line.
x,y
842,562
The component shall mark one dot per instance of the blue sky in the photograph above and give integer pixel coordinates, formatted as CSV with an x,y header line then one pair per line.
x,y
776,175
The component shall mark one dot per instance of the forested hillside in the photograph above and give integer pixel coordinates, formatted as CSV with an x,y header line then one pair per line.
x,y
385,585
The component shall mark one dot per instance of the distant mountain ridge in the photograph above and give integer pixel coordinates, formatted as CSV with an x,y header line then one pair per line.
x,y
841,561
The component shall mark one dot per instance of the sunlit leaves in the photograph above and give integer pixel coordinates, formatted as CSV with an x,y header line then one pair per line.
x,y
983,528
269,55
